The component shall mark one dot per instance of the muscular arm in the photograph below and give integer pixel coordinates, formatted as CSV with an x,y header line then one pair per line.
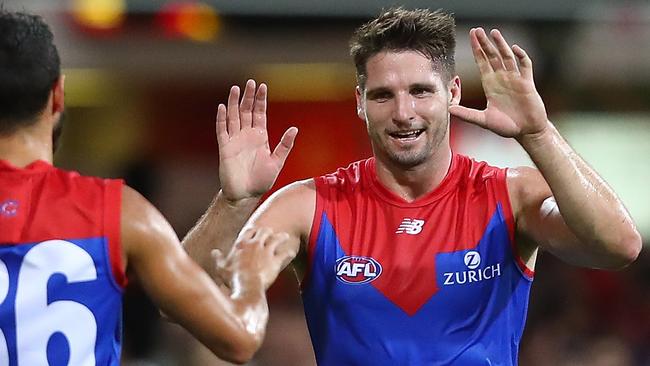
x,y
565,207
289,210
568,209
217,229
231,327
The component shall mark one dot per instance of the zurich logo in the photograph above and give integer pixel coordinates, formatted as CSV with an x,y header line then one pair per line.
x,y
9,208
472,259
357,270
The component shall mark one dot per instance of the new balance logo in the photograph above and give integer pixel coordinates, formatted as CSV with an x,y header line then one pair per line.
x,y
410,226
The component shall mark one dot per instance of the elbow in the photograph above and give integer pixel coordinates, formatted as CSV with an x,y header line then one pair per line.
x,y
633,246
240,350
628,248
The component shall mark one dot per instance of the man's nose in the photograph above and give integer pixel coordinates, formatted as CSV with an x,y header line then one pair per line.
x,y
404,110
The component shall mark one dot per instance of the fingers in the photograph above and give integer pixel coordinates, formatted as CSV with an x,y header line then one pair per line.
x,y
250,112
275,241
286,144
280,246
246,106
525,63
469,115
507,56
495,54
233,110
221,125
479,55
259,111
491,52
261,235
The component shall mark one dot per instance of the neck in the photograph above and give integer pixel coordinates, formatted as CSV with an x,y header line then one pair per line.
x,y
415,182
27,145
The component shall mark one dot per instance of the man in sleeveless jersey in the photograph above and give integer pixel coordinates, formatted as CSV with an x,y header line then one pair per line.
x,y
67,242
416,255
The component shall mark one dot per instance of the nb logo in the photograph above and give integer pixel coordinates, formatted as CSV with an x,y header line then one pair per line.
x,y
410,226
9,208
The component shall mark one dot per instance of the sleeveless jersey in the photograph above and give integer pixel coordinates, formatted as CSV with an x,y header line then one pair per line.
x,y
60,268
432,282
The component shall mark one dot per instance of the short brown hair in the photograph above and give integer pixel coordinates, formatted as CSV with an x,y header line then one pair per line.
x,y
431,33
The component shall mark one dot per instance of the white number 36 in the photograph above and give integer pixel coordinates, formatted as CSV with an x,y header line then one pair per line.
x,y
36,320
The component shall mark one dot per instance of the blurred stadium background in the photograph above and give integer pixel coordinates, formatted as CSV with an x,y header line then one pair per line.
x,y
144,77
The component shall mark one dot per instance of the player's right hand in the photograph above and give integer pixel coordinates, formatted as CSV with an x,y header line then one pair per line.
x,y
255,260
247,167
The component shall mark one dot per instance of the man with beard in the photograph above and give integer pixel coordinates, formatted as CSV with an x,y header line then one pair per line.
x,y
68,241
416,255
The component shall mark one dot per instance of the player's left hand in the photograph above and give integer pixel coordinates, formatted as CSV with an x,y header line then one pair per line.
x,y
257,257
247,167
514,107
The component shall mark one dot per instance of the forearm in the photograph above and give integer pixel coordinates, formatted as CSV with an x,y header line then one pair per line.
x,y
589,207
232,330
217,229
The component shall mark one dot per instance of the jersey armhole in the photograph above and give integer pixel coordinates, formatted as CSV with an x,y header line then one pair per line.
x,y
112,223
510,222
321,187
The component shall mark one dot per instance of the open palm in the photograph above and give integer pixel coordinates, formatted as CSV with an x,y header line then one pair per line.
x,y
514,107
247,167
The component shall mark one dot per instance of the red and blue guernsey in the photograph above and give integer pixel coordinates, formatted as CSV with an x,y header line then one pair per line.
x,y
432,282
61,278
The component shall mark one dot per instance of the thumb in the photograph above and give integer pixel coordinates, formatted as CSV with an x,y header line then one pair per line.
x,y
286,144
468,114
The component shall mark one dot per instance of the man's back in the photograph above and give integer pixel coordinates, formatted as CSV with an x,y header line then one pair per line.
x,y
60,250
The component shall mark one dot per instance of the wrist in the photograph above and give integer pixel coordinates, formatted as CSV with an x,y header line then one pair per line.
x,y
246,284
239,202
538,138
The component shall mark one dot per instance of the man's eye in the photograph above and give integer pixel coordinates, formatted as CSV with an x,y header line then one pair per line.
x,y
380,97
420,91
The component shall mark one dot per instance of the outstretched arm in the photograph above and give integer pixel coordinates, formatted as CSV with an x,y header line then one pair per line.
x,y
568,209
231,326
247,170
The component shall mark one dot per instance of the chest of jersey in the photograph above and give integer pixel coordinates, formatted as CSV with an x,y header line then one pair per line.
x,y
425,283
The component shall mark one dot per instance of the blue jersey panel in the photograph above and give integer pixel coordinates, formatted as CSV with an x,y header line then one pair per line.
x,y
476,317
61,305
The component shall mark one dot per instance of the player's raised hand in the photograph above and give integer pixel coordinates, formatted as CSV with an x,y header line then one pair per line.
x,y
247,167
256,259
514,107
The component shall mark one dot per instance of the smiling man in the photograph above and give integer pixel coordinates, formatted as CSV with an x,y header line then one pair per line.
x,y
415,256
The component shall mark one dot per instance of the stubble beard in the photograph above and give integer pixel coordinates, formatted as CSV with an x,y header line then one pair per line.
x,y
411,158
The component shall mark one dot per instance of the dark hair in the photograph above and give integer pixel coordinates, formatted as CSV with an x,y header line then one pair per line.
x,y
431,33
29,68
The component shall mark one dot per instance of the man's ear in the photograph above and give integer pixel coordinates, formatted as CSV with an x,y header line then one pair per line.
x,y
361,106
454,90
58,99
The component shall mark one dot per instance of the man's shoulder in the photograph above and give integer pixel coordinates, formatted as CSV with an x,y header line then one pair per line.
x,y
351,175
477,170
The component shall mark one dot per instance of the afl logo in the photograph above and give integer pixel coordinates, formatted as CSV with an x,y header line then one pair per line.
x,y
472,259
357,270
9,208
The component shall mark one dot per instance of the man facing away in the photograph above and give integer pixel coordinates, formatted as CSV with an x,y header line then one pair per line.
x,y
67,242
418,255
